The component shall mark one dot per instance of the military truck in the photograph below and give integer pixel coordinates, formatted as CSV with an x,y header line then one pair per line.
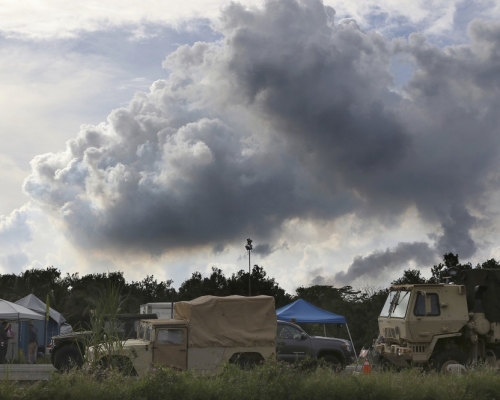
x,y
204,334
68,350
435,325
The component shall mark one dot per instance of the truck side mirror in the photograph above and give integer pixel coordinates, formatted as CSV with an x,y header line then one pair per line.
x,y
303,336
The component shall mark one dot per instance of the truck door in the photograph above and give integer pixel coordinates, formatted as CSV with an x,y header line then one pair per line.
x,y
170,347
290,344
425,318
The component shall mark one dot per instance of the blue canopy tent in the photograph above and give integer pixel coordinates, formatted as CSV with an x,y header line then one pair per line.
x,y
303,312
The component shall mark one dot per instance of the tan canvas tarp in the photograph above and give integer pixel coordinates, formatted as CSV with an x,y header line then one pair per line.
x,y
229,321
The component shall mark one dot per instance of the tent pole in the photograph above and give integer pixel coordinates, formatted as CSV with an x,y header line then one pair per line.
x,y
18,338
44,339
350,337
324,329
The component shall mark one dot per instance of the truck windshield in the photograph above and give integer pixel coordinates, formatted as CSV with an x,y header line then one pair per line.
x,y
396,304
142,331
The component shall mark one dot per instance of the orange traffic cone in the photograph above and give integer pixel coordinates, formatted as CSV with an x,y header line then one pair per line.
x,y
367,369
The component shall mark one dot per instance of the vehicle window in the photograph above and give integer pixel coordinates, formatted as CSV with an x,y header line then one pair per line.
x,y
396,304
170,336
147,335
142,331
419,309
114,327
288,332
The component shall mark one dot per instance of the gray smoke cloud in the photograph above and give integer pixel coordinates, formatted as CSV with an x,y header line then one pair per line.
x,y
290,115
14,232
390,259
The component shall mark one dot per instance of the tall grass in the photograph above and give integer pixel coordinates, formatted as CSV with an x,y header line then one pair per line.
x,y
104,339
273,381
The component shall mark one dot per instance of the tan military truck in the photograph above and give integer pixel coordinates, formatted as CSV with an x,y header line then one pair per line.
x,y
204,334
435,325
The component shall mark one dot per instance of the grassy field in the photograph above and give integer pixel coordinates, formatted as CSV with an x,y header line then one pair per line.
x,y
273,381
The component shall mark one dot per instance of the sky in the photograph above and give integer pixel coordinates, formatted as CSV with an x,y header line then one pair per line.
x,y
349,140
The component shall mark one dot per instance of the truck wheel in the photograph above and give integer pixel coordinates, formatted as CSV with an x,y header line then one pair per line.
x,y
441,360
332,362
67,358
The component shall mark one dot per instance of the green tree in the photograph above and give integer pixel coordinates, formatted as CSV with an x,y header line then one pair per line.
x,y
489,264
440,271
149,290
218,285
410,277
261,285
197,286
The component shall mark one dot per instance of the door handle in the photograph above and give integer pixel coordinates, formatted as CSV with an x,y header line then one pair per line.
x,y
182,350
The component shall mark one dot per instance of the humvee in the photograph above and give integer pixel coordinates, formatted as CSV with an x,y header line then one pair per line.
x,y
68,350
204,334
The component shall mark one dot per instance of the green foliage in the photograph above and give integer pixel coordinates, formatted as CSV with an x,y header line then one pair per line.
x,y
105,339
271,381
489,264
149,290
410,277
218,285
440,273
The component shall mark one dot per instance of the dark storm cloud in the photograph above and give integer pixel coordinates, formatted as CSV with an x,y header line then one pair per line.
x,y
218,248
289,116
263,249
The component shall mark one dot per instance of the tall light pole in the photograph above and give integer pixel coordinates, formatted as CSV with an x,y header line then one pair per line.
x,y
249,248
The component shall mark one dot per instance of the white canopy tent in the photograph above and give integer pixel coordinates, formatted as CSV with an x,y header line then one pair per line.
x,y
34,303
12,311
16,313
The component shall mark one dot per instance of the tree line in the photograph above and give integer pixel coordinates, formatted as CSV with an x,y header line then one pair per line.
x,y
74,296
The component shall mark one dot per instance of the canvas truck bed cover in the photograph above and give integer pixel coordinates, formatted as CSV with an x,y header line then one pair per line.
x,y
231,321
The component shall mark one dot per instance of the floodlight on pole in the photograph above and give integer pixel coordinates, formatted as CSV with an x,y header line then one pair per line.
x,y
249,248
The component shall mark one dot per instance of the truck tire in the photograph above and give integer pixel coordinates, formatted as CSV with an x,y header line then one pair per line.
x,y
332,362
440,361
68,357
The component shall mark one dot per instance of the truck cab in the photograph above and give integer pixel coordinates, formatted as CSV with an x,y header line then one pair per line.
x,y
435,325
162,342
415,317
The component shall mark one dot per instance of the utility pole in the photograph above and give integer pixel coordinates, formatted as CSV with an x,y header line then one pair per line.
x,y
249,248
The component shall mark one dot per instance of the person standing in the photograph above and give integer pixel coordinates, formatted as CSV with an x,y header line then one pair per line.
x,y
32,344
4,342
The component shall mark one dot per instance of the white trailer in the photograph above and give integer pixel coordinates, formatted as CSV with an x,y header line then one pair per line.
x,y
163,310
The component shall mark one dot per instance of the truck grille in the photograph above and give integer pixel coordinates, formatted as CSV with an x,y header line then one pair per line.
x,y
418,348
